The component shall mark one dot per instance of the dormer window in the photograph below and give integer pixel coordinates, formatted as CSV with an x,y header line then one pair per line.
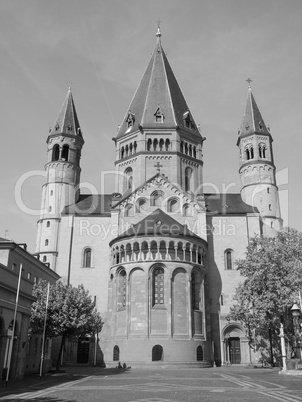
x,y
130,119
159,117
188,122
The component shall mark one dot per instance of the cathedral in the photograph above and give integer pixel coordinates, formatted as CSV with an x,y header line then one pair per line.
x,y
158,254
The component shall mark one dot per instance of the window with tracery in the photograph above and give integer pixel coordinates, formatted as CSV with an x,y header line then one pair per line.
x,y
158,287
121,291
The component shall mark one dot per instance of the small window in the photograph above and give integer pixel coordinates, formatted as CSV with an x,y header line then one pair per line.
x,y
47,224
173,205
29,275
199,354
51,192
46,242
87,258
228,255
116,353
157,198
268,190
270,207
187,210
142,205
129,210
49,209
44,258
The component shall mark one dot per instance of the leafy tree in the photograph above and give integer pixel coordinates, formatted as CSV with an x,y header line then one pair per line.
x,y
272,271
70,312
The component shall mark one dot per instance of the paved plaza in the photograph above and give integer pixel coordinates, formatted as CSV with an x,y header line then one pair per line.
x,y
157,385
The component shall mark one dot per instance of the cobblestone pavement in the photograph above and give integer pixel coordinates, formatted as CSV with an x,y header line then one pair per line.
x,y
157,385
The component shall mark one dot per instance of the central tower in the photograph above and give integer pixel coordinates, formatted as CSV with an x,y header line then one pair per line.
x,y
158,132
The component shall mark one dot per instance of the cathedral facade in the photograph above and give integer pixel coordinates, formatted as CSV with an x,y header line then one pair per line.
x,y
163,277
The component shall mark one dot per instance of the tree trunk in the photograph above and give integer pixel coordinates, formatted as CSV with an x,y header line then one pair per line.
x,y
60,353
271,345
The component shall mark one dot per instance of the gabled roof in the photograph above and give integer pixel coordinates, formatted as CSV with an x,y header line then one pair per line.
x,y
67,122
90,204
159,176
158,223
158,92
252,121
226,204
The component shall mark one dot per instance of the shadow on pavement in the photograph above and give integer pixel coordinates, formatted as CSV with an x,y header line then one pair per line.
x,y
33,383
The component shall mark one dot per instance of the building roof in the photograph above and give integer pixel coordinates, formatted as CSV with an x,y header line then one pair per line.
x,y
252,121
227,204
158,223
158,93
101,205
67,121
90,204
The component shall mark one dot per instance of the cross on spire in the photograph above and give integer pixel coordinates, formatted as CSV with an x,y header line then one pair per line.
x,y
158,166
158,33
249,82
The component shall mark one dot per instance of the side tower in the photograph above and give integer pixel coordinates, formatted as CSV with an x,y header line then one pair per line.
x,y
257,170
64,145
158,131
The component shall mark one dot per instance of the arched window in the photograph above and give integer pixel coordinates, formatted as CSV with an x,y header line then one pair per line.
x,y
182,147
87,258
188,179
116,353
194,152
252,152
167,144
228,259
128,179
161,144
155,143
44,258
47,224
49,209
46,242
247,153
157,353
121,290
149,144
157,198
122,152
173,205
141,205
65,152
158,285
187,210
129,210
193,291
56,153
199,354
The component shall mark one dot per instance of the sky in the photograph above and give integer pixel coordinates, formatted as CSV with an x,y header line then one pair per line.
x,y
103,48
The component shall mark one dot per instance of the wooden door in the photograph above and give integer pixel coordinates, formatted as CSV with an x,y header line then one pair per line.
x,y
235,355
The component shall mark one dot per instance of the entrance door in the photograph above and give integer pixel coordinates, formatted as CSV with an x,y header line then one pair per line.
x,y
83,350
235,356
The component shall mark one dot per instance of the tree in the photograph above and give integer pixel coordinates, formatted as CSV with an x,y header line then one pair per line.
x,y
272,271
70,312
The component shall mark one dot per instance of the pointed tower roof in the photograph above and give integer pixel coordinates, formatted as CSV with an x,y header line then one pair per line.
x,y
252,121
158,98
67,122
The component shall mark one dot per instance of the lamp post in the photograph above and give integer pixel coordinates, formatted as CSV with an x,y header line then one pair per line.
x,y
296,314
